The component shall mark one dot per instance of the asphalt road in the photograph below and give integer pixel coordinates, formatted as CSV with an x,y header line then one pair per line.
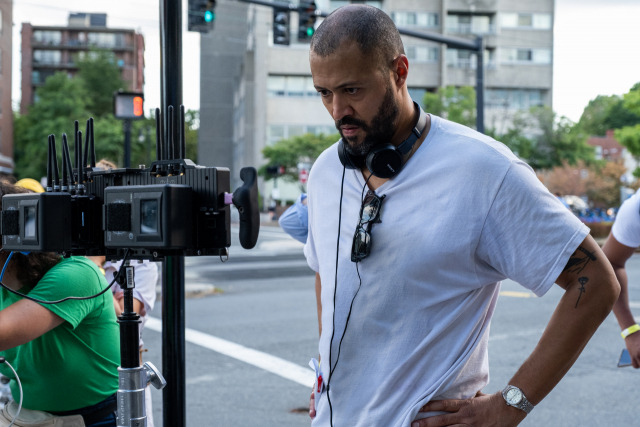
x,y
249,342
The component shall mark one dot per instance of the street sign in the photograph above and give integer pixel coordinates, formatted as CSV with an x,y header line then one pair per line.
x,y
303,176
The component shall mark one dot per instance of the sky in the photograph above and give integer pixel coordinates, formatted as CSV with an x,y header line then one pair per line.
x,y
597,46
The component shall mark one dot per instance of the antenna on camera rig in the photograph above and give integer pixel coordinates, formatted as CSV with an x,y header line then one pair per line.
x,y
67,169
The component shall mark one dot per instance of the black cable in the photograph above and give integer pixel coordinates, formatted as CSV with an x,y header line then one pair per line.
x,y
354,298
335,287
15,374
332,369
67,298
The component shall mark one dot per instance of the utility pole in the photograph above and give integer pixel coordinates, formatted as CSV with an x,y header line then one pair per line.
x,y
173,299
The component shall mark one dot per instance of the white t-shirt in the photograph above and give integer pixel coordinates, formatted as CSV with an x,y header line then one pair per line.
x,y
463,214
626,228
145,279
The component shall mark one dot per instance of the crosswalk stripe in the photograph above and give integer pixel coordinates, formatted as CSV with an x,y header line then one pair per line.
x,y
268,362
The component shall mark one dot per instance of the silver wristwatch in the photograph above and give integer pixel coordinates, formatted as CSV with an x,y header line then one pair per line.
x,y
516,398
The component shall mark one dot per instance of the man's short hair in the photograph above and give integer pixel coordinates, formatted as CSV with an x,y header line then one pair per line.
x,y
373,30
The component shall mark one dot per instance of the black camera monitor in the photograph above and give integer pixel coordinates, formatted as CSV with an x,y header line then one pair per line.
x,y
148,216
24,217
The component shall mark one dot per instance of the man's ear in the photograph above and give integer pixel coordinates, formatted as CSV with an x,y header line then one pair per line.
x,y
401,70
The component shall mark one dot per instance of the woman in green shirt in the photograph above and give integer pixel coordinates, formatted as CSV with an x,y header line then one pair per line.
x,y
66,354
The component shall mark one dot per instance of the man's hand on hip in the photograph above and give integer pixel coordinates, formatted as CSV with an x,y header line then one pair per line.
x,y
482,410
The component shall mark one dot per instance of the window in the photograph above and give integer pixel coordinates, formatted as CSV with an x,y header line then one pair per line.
x,y
422,54
416,19
541,56
466,59
39,76
293,86
106,39
277,132
274,134
525,20
525,55
470,24
47,57
542,21
538,21
459,58
47,37
276,85
518,99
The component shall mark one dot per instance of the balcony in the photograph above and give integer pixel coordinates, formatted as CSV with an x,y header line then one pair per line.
x,y
473,5
471,29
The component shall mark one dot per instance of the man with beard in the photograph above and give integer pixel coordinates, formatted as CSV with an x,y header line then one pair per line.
x,y
413,223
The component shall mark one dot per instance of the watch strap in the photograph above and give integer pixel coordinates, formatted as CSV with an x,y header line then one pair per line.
x,y
523,405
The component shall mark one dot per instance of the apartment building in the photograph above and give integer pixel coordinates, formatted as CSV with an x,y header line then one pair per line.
x,y
254,93
6,114
50,49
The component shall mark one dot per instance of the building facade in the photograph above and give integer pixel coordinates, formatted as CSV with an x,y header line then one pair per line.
x,y
608,148
50,49
6,113
254,93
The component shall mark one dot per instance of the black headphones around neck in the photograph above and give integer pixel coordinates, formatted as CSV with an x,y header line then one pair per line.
x,y
385,160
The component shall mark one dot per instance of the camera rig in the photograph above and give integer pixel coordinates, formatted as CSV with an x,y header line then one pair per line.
x,y
174,207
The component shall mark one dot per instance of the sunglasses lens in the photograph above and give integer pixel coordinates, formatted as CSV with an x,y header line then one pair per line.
x,y
370,209
360,248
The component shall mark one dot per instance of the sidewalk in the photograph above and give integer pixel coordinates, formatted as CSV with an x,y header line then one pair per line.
x,y
194,287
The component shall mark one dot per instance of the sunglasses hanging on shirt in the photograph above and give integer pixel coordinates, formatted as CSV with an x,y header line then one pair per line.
x,y
369,214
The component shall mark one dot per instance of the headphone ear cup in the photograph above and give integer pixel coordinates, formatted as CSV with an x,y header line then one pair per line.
x,y
385,161
347,160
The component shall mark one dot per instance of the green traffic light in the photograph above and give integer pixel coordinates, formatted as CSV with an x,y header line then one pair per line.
x,y
309,31
209,16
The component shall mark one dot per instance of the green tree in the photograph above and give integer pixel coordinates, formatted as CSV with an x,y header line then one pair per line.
x,y
594,119
60,101
629,136
192,123
100,77
607,112
289,152
457,104
544,140
143,139
560,140
516,140
603,184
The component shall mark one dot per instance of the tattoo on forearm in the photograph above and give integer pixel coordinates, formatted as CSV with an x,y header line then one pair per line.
x,y
579,260
583,281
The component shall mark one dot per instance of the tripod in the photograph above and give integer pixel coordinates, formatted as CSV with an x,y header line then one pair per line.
x,y
132,378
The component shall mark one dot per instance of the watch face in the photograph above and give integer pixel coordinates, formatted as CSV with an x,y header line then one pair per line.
x,y
514,396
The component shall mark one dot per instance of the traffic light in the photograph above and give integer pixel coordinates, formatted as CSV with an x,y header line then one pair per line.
x,y
201,15
275,170
307,20
128,105
281,26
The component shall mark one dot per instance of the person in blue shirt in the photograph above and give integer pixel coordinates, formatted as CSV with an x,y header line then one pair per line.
x,y
295,220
